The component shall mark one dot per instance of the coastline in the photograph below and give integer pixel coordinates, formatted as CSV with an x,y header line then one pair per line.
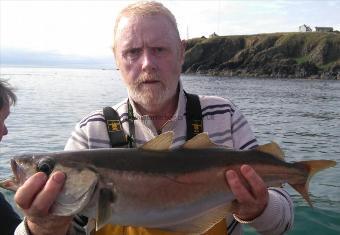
x,y
241,74
310,55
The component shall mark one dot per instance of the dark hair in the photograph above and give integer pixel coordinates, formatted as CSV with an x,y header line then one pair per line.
x,y
7,95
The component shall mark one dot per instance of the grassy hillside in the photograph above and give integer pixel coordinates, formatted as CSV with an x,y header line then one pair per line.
x,y
269,55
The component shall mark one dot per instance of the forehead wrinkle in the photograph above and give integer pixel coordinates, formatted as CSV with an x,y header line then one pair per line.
x,y
166,34
126,34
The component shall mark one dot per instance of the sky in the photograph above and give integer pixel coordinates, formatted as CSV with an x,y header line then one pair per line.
x,y
79,29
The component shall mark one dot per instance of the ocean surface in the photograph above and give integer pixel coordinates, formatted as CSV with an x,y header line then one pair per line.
x,y
302,116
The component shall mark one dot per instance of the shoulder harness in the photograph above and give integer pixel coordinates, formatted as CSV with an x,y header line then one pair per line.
x,y
119,139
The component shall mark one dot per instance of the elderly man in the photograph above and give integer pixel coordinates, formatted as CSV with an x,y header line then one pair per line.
x,y
149,54
9,220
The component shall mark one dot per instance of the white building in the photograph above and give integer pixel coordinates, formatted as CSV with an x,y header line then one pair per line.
x,y
305,28
323,29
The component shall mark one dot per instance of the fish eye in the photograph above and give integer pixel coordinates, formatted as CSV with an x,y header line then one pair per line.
x,y
46,166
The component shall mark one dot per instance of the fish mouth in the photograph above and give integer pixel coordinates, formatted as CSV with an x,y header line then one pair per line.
x,y
16,171
12,183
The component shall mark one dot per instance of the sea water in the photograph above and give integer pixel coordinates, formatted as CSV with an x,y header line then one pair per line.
x,y
302,116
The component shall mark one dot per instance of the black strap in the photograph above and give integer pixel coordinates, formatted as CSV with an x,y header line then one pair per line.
x,y
119,139
131,120
114,128
193,115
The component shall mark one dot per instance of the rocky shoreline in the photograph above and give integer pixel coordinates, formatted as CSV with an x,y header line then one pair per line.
x,y
281,55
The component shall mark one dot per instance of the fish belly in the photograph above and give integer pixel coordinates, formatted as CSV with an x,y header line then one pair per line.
x,y
158,201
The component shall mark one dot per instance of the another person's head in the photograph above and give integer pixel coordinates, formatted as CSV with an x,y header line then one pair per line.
x,y
149,52
7,98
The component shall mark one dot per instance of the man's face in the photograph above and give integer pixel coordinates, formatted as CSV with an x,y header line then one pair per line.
x,y
4,112
149,55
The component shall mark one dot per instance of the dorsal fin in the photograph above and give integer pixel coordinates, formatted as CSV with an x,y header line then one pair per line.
x,y
161,142
272,148
201,140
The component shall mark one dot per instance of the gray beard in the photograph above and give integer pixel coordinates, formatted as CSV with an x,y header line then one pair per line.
x,y
150,98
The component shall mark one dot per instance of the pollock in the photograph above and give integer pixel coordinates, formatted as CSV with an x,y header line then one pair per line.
x,y
182,190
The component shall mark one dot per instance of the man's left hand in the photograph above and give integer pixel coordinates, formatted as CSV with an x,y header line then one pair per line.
x,y
250,200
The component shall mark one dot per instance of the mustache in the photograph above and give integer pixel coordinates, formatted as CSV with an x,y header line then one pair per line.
x,y
145,77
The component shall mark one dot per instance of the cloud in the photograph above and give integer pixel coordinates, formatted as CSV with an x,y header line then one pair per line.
x,y
27,58
85,28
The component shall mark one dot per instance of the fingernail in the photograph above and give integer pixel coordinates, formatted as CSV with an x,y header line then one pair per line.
x,y
231,174
246,168
42,177
59,177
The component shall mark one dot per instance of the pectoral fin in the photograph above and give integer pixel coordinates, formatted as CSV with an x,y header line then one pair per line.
x,y
104,212
161,142
202,223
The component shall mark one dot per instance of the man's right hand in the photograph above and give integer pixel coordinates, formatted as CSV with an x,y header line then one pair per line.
x,y
36,197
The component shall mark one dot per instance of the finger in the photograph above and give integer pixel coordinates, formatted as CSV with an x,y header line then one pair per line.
x,y
240,192
257,185
46,197
27,192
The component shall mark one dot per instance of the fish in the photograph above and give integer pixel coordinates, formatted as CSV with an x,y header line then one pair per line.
x,y
154,186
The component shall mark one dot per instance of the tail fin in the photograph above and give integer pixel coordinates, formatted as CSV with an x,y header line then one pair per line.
x,y
312,167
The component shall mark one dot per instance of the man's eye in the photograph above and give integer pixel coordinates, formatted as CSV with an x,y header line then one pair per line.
x,y
133,53
159,51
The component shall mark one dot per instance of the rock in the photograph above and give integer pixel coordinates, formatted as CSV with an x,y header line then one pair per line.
x,y
275,55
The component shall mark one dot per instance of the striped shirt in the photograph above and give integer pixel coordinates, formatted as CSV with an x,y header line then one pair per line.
x,y
224,123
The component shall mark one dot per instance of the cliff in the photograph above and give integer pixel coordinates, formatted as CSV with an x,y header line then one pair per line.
x,y
279,55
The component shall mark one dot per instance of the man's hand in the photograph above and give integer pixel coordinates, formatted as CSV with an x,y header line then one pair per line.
x,y
36,197
251,199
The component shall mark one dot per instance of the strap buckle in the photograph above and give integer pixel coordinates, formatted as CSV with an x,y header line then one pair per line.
x,y
197,126
113,125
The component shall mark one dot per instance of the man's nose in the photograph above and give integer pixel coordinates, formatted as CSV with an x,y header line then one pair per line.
x,y
149,62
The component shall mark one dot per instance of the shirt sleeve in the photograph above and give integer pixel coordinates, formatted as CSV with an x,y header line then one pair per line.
x,y
78,139
75,229
21,229
89,133
278,216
